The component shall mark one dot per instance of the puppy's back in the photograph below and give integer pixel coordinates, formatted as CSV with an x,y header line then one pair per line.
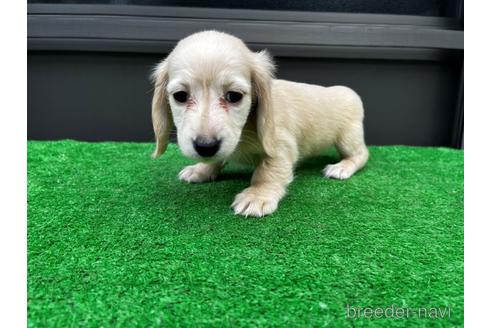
x,y
316,115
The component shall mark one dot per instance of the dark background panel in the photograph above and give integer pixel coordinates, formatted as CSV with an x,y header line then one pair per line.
x,y
89,96
106,96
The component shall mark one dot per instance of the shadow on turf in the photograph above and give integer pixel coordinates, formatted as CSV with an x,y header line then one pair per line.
x,y
310,166
315,165
218,195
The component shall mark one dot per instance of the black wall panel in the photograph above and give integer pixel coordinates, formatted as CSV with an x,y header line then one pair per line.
x,y
107,96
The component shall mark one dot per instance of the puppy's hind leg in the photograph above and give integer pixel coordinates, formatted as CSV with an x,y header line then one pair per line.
x,y
354,154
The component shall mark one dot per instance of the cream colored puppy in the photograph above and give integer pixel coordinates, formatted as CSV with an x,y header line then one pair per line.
x,y
226,106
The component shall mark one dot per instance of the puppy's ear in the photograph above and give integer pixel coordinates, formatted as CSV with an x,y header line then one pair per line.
x,y
262,74
161,113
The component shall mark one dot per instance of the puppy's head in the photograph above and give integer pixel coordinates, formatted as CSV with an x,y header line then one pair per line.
x,y
206,87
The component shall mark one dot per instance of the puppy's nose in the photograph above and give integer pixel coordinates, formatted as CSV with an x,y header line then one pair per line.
x,y
205,146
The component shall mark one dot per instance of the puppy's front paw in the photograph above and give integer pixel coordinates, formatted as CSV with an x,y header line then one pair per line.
x,y
255,201
198,173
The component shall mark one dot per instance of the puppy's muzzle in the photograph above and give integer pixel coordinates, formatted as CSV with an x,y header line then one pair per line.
x,y
206,147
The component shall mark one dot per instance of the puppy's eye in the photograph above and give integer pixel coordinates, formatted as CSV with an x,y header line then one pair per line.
x,y
233,97
180,96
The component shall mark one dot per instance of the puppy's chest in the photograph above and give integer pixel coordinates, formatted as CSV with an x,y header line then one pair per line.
x,y
249,150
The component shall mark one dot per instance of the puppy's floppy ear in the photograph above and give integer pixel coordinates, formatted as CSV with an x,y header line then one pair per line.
x,y
262,70
161,113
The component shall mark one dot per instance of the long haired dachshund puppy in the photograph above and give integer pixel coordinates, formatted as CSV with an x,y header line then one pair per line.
x,y
226,106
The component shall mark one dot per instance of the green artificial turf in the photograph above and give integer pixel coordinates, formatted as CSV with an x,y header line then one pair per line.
x,y
115,240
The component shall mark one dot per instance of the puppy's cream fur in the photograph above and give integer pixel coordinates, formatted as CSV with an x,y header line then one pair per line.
x,y
275,124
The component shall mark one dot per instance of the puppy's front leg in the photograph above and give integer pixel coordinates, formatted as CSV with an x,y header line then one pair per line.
x,y
200,172
268,186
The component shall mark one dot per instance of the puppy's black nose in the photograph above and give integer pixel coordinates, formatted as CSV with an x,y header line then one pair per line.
x,y
206,147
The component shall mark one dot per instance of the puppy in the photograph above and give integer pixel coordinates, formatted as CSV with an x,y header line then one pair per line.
x,y
226,106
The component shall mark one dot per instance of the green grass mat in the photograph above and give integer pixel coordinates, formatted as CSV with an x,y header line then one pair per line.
x,y
115,240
